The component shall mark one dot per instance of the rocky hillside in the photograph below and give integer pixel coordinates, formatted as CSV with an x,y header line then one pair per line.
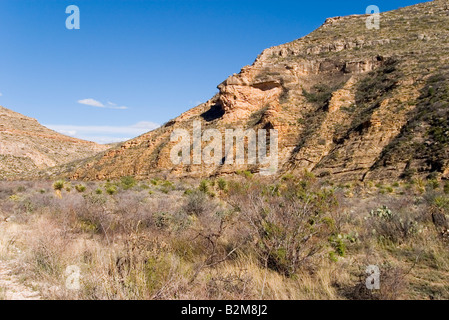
x,y
25,145
348,102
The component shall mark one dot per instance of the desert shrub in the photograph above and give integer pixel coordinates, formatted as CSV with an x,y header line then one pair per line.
x,y
166,186
338,244
80,188
246,173
93,213
390,226
438,208
131,211
433,184
222,184
128,182
196,203
58,185
289,228
204,186
162,220
111,190
320,94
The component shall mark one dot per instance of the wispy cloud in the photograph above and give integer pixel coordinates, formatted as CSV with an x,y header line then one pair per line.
x,y
105,134
1,94
95,103
91,102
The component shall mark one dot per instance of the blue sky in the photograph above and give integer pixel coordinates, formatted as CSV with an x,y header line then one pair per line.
x,y
137,63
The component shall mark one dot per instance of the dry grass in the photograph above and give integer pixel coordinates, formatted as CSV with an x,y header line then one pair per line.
x,y
147,242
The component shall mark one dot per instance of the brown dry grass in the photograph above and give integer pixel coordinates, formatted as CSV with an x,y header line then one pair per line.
x,y
148,241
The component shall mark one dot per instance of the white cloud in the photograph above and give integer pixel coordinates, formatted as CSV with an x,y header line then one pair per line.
x,y
119,108
98,104
105,134
91,102
1,94
145,125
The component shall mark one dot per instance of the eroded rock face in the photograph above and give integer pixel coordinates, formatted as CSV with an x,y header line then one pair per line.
x,y
341,98
240,95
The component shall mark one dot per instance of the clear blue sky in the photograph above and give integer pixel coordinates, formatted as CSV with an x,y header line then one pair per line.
x,y
157,58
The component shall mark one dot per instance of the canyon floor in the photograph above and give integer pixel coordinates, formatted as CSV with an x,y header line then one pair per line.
x,y
226,238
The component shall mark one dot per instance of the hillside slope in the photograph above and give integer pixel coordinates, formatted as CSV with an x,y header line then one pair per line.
x,y
26,146
348,102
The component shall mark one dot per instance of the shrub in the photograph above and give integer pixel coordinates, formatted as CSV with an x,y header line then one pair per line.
x,y
390,226
320,94
80,188
111,190
288,233
128,182
248,174
58,185
167,186
433,184
338,244
222,184
196,203
204,186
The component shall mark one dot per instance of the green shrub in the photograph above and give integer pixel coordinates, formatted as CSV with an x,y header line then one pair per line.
x,y
167,186
111,190
338,244
128,182
248,174
433,184
222,184
204,186
58,185
80,188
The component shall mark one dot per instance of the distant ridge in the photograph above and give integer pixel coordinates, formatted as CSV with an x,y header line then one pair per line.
x,y
26,145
